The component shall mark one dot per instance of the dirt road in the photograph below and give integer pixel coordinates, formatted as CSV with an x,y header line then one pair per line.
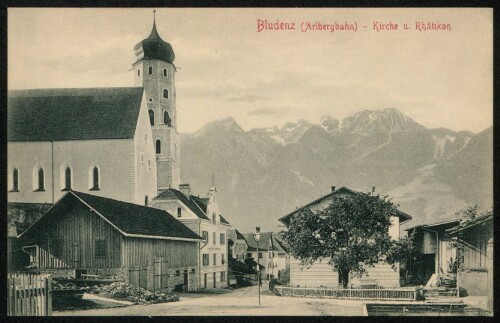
x,y
242,301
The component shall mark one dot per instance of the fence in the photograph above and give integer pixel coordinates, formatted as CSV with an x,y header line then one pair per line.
x,y
29,295
351,293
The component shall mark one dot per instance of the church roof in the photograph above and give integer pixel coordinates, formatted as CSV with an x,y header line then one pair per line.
x,y
154,47
130,219
73,114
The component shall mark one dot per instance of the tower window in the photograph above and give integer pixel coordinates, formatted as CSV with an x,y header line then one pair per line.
x,y
146,200
67,179
142,158
149,163
179,212
95,179
150,70
151,117
165,72
166,119
15,180
158,146
138,73
150,99
40,181
146,139
165,93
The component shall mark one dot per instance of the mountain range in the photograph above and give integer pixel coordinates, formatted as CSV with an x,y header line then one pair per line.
x,y
266,173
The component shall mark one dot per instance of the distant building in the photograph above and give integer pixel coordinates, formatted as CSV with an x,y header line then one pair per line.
x,y
472,237
272,255
84,234
322,274
237,244
203,217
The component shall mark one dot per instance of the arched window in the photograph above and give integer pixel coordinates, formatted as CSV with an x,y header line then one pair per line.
x,y
165,93
146,200
15,180
67,178
165,72
95,179
151,117
166,119
179,212
41,180
151,70
158,146
214,219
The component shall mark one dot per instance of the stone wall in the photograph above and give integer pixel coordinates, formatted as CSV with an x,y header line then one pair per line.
x,y
475,282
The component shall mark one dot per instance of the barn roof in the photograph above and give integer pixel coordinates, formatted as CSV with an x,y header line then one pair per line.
x,y
403,217
73,114
130,219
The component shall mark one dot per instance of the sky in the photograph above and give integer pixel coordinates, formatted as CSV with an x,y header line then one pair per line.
x,y
267,78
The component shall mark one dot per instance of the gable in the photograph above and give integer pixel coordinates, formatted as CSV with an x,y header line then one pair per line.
x,y
73,114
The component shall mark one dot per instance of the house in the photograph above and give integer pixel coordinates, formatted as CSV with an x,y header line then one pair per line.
x,y
436,251
271,255
202,216
237,244
321,273
472,237
83,234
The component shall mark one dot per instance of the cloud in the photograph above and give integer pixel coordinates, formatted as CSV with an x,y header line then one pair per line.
x,y
265,112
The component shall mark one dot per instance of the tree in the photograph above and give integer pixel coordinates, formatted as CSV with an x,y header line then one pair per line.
x,y
352,231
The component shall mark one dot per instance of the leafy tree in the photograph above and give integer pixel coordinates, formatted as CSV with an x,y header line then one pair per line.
x,y
352,231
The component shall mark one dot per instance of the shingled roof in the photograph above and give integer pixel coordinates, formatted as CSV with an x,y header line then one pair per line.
x,y
73,114
129,219
403,217
172,193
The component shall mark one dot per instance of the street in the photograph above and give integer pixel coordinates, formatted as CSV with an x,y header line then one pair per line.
x,y
242,301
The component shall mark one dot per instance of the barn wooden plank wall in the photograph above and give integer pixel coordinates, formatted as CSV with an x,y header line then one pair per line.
x,y
140,251
77,227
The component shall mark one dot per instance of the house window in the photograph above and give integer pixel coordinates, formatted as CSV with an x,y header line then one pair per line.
x,y
179,212
249,255
56,247
166,119
67,179
165,93
222,276
260,255
165,72
40,181
151,117
150,70
100,247
213,238
95,179
223,260
222,238
158,146
146,200
204,234
215,259
205,259
15,180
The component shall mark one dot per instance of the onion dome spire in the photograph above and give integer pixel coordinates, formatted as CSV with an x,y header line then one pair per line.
x,y
153,47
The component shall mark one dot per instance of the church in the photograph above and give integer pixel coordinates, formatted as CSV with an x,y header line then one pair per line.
x,y
113,143
119,143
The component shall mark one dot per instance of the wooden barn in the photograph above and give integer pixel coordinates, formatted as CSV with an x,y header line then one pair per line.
x,y
84,235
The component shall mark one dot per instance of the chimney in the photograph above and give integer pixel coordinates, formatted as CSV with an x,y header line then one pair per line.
x,y
333,188
185,189
373,190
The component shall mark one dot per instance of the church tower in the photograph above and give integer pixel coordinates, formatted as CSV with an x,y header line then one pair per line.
x,y
154,70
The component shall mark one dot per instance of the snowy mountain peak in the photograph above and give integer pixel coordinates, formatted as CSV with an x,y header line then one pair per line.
x,y
369,121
